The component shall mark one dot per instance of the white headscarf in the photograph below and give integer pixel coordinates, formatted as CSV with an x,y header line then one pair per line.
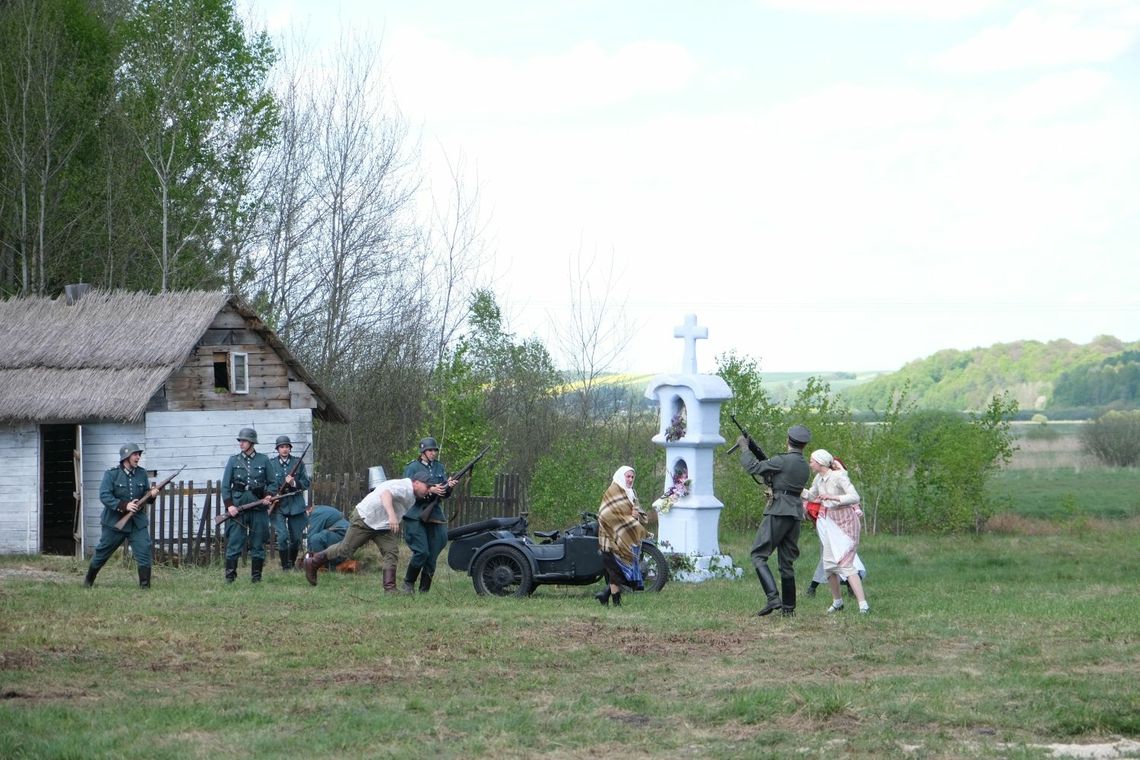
x,y
822,457
619,478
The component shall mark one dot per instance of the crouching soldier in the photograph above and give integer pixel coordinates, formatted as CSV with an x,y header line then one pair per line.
x,y
120,491
376,518
327,526
244,484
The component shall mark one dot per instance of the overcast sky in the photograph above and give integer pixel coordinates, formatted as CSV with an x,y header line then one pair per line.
x,y
826,184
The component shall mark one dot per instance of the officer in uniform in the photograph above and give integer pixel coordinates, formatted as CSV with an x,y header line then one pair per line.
x,y
289,517
786,475
245,481
425,524
326,527
120,491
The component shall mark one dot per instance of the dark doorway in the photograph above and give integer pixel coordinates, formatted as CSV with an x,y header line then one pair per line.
x,y
57,457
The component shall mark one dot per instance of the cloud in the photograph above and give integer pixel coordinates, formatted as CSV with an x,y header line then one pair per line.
x,y
936,9
438,79
1033,39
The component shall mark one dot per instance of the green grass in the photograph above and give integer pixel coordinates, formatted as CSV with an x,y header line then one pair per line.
x,y
1067,493
978,646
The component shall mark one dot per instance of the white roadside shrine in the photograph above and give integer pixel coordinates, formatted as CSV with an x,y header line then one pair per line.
x,y
689,405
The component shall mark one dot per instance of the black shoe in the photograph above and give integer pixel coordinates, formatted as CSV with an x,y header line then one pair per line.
x,y
788,611
616,599
144,577
603,596
772,605
810,591
255,567
231,570
89,579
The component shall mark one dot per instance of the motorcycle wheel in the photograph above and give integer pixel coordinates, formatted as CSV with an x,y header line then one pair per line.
x,y
654,567
502,571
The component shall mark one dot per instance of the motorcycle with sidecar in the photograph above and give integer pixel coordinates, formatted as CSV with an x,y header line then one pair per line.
x,y
503,560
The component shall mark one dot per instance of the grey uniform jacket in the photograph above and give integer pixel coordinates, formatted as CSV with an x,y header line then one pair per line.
x,y
787,474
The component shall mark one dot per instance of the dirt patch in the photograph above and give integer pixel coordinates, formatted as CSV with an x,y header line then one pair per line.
x,y
26,573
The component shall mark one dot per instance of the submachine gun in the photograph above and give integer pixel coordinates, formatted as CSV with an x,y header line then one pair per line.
x,y
147,497
752,445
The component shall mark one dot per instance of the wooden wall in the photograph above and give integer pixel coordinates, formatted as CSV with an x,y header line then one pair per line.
x,y
271,384
20,489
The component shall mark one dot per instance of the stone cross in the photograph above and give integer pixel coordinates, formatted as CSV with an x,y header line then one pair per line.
x,y
691,333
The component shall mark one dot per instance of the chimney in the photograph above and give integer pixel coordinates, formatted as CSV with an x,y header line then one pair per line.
x,y
74,292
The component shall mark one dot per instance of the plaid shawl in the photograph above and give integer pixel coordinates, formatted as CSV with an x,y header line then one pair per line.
x,y
619,529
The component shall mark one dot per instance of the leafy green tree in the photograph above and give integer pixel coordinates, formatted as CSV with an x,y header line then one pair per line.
x,y
1114,438
191,90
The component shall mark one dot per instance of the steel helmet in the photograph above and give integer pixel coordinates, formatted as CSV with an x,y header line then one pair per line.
x,y
127,449
247,434
282,440
428,443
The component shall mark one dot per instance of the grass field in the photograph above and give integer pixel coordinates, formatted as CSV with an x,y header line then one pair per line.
x,y
999,645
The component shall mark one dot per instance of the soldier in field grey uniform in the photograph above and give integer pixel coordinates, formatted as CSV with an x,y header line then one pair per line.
x,y
787,475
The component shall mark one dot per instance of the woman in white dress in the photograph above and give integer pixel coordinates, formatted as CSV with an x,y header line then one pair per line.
x,y
838,526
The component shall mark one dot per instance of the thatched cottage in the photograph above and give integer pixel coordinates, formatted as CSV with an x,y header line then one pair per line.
x,y
178,373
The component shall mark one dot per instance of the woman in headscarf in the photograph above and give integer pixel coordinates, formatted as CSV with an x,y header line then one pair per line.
x,y
838,526
620,531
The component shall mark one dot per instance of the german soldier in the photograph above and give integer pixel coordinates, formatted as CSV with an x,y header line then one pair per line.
x,y
786,475
425,524
289,518
245,482
120,491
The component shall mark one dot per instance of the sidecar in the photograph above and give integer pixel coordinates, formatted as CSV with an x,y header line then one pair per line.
x,y
503,560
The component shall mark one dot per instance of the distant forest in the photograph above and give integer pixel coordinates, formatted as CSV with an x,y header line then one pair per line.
x,y
1059,379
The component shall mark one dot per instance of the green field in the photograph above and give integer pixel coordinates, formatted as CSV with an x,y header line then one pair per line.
x,y
995,645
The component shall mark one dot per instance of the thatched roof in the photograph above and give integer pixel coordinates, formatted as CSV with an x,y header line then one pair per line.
x,y
104,356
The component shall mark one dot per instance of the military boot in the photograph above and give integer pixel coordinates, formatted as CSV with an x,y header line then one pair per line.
x,y
409,584
89,579
788,586
313,563
283,555
768,583
389,580
144,577
255,567
425,583
231,569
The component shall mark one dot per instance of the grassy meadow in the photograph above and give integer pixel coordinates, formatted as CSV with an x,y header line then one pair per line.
x,y
997,645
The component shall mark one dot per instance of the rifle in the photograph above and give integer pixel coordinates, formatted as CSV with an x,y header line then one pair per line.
x,y
147,497
467,468
752,445
292,471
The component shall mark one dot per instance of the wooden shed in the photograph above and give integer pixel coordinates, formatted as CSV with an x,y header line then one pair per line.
x,y
178,373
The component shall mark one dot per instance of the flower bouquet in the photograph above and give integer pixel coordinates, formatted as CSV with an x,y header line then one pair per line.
x,y
677,427
681,486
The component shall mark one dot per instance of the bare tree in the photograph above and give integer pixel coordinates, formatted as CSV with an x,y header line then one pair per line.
x,y
597,331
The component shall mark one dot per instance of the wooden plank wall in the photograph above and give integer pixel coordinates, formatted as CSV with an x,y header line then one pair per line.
x,y
20,489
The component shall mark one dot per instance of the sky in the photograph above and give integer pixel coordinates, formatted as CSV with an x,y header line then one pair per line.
x,y
828,185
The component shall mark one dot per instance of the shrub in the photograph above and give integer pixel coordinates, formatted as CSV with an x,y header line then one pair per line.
x,y
1114,438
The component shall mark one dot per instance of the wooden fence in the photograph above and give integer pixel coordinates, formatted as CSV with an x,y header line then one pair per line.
x,y
182,518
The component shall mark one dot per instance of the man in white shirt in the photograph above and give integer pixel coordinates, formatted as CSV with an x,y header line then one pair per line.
x,y
376,518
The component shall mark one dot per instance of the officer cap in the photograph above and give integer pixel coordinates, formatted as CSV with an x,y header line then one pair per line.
x,y
428,443
422,477
127,449
247,434
799,434
283,440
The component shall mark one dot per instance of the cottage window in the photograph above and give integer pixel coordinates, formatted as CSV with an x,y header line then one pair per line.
x,y
231,372
239,373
